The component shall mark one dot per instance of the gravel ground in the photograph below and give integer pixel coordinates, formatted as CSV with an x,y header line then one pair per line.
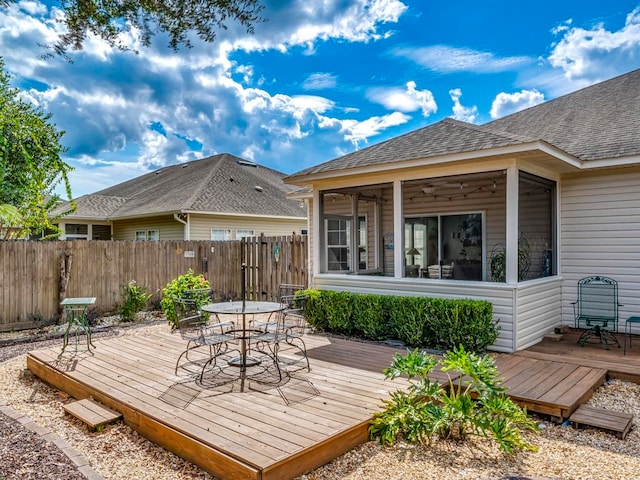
x,y
120,453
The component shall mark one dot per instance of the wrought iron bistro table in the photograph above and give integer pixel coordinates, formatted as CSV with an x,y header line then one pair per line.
x,y
76,309
244,334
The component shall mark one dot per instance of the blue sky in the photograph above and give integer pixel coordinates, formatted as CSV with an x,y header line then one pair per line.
x,y
316,81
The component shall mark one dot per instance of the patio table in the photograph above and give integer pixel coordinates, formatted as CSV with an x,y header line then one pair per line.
x,y
243,333
76,309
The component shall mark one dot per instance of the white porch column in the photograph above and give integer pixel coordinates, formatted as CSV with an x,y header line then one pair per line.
x,y
316,220
511,267
398,231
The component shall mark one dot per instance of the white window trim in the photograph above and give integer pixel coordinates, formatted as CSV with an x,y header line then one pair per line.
x,y
349,244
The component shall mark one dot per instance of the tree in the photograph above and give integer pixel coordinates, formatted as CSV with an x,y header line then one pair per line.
x,y
30,161
108,19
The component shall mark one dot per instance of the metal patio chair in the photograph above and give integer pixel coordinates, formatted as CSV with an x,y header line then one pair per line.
x,y
295,323
196,328
596,310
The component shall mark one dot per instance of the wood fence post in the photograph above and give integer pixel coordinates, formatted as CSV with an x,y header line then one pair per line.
x,y
66,259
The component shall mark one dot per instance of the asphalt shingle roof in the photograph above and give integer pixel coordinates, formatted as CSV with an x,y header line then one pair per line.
x,y
598,122
218,184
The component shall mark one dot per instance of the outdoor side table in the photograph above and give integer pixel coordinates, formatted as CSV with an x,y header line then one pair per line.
x,y
76,309
627,331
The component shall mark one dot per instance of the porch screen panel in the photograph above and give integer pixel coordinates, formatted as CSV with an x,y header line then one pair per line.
x,y
536,244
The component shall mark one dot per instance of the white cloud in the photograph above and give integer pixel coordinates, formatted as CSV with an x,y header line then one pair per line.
x,y
460,112
319,81
106,100
506,103
590,55
361,131
446,59
408,99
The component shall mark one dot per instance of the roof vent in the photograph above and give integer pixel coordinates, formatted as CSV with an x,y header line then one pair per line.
x,y
185,165
247,163
258,188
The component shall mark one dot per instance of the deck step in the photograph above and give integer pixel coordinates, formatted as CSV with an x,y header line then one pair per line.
x,y
554,337
617,422
94,414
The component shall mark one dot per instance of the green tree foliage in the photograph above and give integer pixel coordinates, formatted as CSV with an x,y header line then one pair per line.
x,y
472,404
177,19
30,162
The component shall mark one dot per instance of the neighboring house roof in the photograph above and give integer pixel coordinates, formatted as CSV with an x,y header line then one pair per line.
x,y
597,122
218,184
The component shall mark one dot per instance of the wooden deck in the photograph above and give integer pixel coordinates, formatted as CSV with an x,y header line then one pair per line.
x,y
275,431
625,367
280,429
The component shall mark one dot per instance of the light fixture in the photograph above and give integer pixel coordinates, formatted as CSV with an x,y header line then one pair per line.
x,y
427,189
413,251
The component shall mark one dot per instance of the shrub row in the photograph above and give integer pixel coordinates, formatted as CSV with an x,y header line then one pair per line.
x,y
417,321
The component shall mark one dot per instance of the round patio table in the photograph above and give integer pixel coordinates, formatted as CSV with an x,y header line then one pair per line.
x,y
243,308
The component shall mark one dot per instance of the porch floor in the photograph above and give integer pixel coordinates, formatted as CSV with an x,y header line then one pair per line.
x,y
625,367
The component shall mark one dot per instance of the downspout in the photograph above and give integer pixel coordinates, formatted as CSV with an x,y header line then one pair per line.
x,y
186,235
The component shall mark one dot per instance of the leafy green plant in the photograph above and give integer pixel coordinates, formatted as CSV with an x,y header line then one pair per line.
x,y
134,300
188,285
498,261
472,404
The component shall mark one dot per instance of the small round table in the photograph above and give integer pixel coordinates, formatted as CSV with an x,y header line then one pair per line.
x,y
243,308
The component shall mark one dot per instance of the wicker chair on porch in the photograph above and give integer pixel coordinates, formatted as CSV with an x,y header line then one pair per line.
x,y
596,310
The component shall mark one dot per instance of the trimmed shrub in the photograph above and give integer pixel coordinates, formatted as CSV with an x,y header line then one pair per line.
x,y
417,321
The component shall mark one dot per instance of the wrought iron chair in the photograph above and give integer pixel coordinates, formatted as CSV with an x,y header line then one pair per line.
x,y
596,310
270,337
195,328
289,289
294,322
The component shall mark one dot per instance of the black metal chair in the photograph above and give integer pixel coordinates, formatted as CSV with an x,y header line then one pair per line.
x,y
295,323
195,327
596,310
289,289
269,339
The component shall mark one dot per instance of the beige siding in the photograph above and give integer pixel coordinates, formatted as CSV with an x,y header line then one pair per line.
x,y
500,295
201,225
169,228
600,235
538,308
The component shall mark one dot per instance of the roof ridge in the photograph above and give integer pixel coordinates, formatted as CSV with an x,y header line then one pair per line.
x,y
198,191
484,128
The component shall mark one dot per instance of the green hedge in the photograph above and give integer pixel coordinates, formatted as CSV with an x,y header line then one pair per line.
x,y
417,321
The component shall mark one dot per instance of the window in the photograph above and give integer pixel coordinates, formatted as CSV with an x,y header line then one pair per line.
x,y
244,233
220,234
337,241
76,231
445,246
147,235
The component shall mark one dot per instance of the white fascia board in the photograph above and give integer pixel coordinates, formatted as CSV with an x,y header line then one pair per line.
x,y
245,215
539,145
611,162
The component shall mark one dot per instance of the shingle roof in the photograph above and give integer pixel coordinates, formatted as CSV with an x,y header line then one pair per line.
x,y
600,121
597,122
445,137
221,183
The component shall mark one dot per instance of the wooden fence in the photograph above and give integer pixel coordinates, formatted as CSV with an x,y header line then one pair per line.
x,y
36,276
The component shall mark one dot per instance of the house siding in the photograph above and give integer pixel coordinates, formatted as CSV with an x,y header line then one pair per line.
x,y
538,307
169,228
201,225
600,215
500,295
